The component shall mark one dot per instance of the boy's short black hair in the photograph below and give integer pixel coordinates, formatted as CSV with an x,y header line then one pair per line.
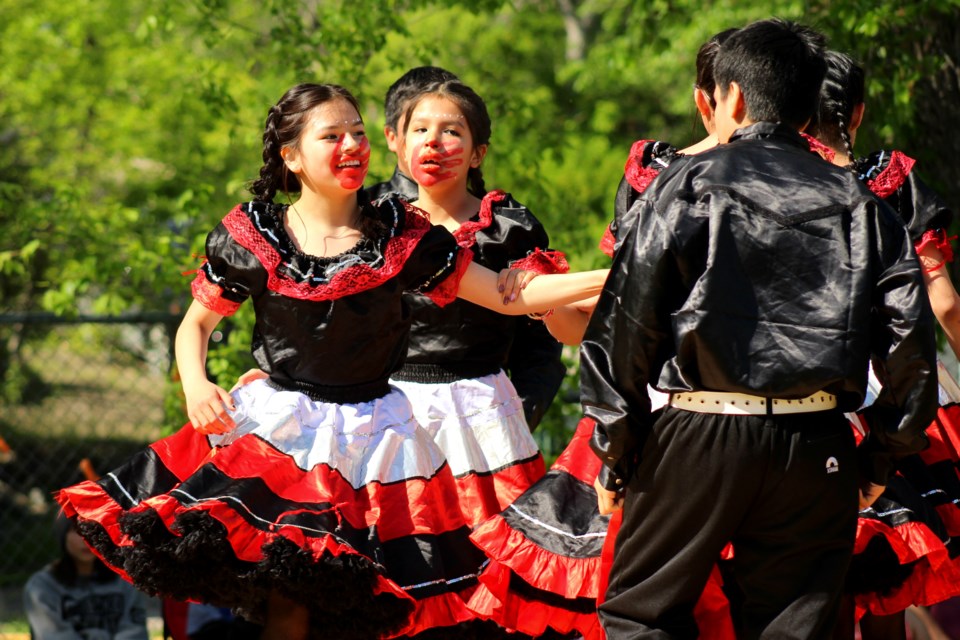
x,y
779,66
409,84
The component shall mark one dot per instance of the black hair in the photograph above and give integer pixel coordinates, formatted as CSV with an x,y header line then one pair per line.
x,y
779,67
474,110
64,568
408,85
706,57
842,90
285,123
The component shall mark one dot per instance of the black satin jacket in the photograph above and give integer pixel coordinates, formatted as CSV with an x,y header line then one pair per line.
x,y
463,340
757,267
399,184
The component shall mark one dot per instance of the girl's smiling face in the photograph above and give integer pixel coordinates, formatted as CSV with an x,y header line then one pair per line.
x,y
438,143
333,152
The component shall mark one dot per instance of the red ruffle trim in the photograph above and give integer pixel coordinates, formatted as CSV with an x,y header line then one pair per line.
x,y
494,601
466,233
543,262
446,292
561,575
443,610
608,242
938,238
578,459
354,279
819,148
948,428
210,295
893,175
927,585
910,541
638,176
484,496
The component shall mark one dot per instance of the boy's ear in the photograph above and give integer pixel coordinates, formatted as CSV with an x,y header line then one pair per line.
x,y
738,106
391,135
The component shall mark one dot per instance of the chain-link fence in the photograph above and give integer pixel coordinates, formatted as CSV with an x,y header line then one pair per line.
x,y
78,398
81,396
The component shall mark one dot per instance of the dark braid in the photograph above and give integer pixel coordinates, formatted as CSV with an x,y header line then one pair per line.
x,y
474,110
842,90
284,126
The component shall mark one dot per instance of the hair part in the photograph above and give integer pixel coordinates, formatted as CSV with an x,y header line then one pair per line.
x,y
779,67
475,112
284,126
407,86
843,89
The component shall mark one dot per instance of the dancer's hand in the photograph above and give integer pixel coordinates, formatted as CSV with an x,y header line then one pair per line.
x,y
869,492
248,377
607,501
207,406
510,282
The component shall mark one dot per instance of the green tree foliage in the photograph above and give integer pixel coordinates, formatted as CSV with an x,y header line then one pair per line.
x,y
129,128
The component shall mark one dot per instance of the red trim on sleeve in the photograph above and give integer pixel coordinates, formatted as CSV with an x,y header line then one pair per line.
x,y
446,292
210,295
939,239
543,262
638,176
608,242
893,176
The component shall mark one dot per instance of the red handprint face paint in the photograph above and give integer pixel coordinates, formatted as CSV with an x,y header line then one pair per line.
x,y
350,160
438,143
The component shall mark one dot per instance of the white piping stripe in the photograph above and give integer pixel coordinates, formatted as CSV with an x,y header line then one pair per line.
x,y
554,529
252,514
116,481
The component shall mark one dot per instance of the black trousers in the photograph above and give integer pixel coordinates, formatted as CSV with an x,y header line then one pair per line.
x,y
782,488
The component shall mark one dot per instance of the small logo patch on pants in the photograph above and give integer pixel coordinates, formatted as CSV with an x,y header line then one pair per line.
x,y
832,465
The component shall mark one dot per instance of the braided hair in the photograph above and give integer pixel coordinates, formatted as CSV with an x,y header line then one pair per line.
x,y
285,123
474,110
842,90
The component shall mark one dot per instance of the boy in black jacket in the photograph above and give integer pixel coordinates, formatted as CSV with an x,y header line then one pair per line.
x,y
754,286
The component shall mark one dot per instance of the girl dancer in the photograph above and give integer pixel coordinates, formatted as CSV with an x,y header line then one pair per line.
x,y
311,500
903,551
454,373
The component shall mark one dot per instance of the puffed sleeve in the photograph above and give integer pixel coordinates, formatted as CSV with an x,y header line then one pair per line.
x,y
436,265
229,275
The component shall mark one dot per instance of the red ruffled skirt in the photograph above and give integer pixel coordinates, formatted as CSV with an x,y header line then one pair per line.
x,y
350,510
550,554
903,554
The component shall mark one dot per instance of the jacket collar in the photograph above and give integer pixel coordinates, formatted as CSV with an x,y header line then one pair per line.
x,y
770,130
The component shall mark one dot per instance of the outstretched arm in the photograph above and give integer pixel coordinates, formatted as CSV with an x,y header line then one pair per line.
x,y
207,403
479,286
943,296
